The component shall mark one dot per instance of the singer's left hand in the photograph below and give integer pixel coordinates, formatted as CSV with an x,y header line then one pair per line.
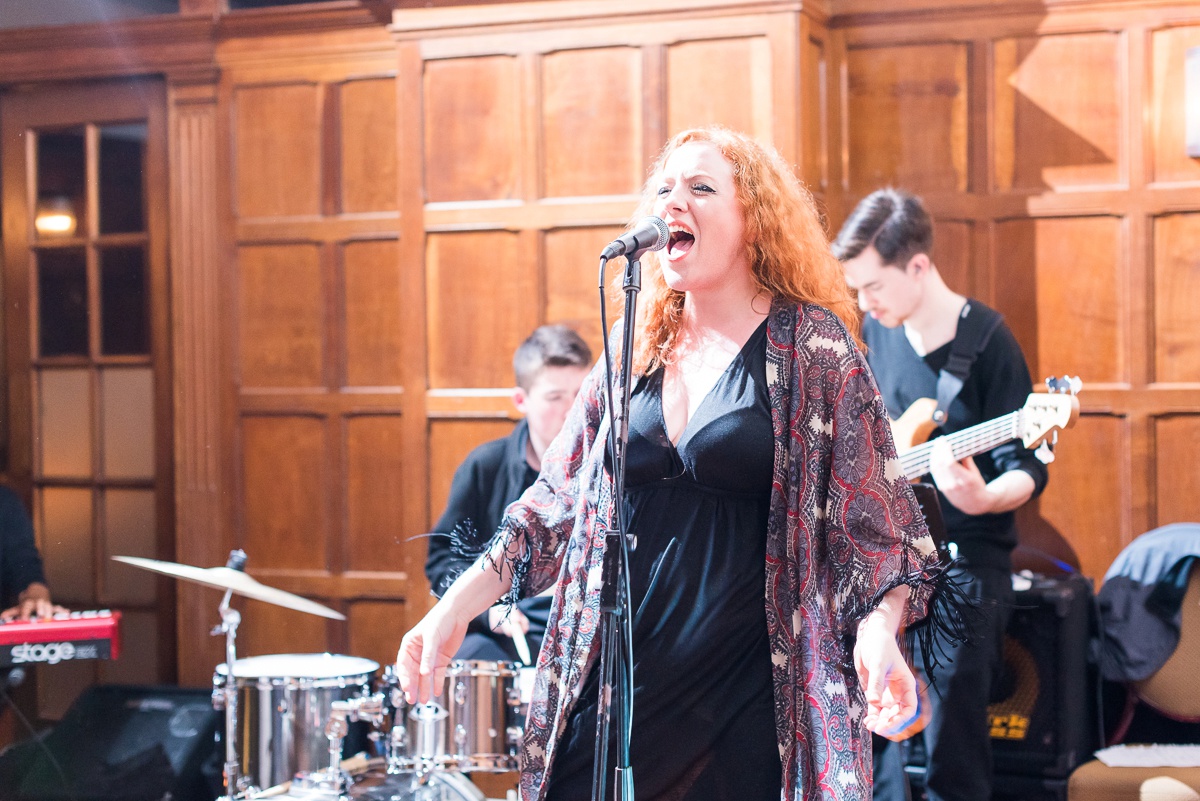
x,y
890,687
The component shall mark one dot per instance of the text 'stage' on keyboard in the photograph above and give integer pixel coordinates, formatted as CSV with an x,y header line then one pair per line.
x,y
64,638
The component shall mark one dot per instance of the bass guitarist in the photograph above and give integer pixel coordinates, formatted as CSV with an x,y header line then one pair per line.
x,y
927,341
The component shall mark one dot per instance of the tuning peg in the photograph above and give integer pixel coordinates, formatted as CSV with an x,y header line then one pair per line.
x,y
1071,384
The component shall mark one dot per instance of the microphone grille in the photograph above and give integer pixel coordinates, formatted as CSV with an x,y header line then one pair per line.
x,y
664,233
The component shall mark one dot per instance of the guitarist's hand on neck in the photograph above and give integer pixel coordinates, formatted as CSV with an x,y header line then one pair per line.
x,y
963,485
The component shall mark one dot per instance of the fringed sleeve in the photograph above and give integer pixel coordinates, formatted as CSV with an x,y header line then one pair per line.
x,y
531,541
876,535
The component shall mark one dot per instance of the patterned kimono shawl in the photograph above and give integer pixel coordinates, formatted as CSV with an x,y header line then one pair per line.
x,y
844,528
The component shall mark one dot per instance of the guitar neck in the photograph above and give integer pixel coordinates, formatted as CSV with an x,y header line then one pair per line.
x,y
968,442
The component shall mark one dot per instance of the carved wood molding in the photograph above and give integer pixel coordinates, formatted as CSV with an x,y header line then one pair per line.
x,y
149,45
849,13
303,19
415,23
195,314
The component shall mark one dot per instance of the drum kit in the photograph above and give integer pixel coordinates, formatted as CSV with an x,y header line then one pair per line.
x,y
288,716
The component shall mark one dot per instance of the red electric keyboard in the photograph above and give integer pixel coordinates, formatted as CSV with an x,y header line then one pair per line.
x,y
64,638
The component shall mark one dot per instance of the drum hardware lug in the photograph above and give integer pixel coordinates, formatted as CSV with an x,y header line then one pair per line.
x,y
460,693
514,734
460,737
514,696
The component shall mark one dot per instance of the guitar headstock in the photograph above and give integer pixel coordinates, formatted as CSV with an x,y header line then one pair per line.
x,y
1067,384
1045,413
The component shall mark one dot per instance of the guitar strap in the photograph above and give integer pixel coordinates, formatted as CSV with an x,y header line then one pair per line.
x,y
975,327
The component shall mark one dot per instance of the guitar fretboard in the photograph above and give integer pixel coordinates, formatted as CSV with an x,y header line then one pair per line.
x,y
968,442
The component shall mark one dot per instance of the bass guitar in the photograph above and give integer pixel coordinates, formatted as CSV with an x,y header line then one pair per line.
x,y
1037,423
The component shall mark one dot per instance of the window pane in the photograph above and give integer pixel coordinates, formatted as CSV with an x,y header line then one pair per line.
x,y
127,397
128,531
123,311
62,201
66,544
65,423
62,302
121,188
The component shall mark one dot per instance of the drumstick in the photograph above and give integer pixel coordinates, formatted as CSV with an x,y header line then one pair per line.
x,y
522,645
359,763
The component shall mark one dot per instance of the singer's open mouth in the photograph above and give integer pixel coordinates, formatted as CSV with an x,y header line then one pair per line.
x,y
680,242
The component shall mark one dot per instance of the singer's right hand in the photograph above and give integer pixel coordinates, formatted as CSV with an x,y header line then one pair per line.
x,y
426,651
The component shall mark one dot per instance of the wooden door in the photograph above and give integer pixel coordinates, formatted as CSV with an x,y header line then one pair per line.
x,y
84,188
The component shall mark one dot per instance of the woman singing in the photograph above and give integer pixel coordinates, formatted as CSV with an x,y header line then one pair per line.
x,y
779,547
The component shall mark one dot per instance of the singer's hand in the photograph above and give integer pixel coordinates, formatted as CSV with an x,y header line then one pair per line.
x,y
427,649
891,689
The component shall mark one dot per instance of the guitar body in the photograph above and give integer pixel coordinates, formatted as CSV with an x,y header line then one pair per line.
x,y
915,425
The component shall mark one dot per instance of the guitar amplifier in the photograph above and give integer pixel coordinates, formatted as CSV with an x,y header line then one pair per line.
x,y
1044,716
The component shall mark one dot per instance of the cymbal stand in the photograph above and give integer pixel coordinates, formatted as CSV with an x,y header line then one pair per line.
x,y
230,619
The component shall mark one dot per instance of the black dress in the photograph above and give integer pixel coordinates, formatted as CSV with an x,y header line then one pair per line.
x,y
703,723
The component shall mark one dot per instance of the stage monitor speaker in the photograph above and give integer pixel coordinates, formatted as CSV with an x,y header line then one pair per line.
x,y
120,743
1043,716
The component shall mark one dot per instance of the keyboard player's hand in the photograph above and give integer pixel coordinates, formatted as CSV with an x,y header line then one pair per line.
x,y
33,602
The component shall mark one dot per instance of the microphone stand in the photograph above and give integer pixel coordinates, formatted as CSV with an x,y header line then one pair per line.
x,y
616,626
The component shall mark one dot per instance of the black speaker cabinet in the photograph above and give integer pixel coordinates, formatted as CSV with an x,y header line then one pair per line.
x,y
1044,716
119,743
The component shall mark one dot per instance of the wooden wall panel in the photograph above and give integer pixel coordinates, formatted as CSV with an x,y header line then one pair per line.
x,y
468,102
953,244
285,480
280,316
369,158
269,629
572,280
1057,111
1178,479
449,443
1068,509
1168,105
591,122
1057,281
907,117
721,81
374,309
276,150
482,302
375,461
376,628
815,117
1176,290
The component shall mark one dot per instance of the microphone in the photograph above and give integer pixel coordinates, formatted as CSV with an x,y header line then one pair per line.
x,y
650,234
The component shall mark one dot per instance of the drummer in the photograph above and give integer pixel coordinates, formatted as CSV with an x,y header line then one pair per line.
x,y
550,367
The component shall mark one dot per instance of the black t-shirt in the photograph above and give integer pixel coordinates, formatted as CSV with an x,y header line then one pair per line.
x,y
999,383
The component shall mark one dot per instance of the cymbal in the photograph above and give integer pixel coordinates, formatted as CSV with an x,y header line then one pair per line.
x,y
226,578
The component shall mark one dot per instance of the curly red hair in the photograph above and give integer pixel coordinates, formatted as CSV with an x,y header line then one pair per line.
x,y
786,244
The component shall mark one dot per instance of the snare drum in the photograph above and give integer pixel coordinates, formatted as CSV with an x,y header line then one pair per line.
x,y
284,702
